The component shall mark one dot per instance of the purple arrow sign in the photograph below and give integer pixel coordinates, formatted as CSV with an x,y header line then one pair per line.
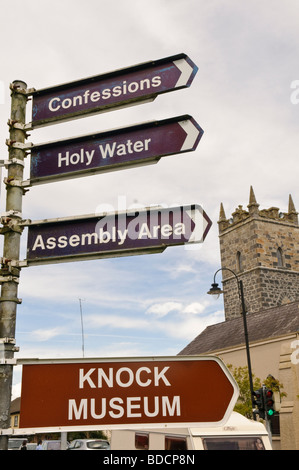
x,y
110,150
143,82
117,234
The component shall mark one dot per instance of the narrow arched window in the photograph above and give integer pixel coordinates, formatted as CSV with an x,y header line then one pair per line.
x,y
279,258
239,262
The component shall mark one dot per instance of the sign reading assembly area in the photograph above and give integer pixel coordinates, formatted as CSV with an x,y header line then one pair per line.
x,y
109,393
116,234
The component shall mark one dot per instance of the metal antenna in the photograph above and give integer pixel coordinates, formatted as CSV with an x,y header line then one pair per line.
x,y
82,329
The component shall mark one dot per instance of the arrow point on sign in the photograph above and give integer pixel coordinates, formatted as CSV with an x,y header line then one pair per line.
x,y
192,130
186,72
202,224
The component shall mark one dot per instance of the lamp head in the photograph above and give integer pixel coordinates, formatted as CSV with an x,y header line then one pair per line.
x,y
215,291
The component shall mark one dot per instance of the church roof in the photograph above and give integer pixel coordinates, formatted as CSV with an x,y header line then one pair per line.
x,y
15,405
267,324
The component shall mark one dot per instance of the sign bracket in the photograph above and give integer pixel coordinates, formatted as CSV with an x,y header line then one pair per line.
x,y
19,125
9,279
13,161
17,183
23,91
19,145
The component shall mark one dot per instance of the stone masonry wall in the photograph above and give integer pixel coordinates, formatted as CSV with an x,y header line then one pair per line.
x,y
266,283
263,288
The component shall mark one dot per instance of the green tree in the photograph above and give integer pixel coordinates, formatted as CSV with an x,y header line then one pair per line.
x,y
86,435
244,403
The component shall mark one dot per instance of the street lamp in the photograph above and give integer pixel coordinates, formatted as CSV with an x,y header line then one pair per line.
x,y
216,291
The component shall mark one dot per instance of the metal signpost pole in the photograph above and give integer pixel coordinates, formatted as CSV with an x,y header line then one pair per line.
x,y
11,250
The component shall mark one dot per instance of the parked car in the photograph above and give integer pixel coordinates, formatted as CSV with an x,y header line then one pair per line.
x,y
31,445
15,443
51,445
89,444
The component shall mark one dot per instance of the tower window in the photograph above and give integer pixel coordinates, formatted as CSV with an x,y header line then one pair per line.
x,y
239,262
279,258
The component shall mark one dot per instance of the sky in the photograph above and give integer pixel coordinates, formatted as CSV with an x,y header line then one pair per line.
x,y
245,96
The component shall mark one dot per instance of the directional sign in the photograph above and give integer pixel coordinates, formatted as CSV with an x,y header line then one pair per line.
x,y
116,234
126,392
132,85
115,149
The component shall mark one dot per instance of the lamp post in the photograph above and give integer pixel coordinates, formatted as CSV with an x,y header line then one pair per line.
x,y
216,291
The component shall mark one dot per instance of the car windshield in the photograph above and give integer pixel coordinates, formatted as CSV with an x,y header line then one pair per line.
x,y
14,443
98,445
31,446
54,445
233,443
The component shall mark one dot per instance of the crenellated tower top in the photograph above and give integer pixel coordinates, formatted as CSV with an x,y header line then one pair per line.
x,y
262,247
273,213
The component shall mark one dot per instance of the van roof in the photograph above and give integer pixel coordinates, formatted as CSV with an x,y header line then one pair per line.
x,y
236,424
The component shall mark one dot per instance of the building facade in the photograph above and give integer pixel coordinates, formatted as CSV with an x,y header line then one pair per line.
x,y
262,248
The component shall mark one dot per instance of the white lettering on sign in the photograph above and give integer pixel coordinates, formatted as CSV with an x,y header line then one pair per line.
x,y
124,377
83,156
130,407
110,150
88,97
122,149
113,235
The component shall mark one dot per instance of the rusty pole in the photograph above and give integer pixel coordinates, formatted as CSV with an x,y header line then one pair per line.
x,y
10,272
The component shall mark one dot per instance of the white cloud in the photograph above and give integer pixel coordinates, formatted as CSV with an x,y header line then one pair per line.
x,y
162,309
195,308
46,334
179,268
112,321
16,390
192,326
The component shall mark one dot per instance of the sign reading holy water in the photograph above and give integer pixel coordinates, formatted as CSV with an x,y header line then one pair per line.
x,y
112,150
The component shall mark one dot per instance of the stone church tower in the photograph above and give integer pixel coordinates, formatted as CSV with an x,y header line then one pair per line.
x,y
262,248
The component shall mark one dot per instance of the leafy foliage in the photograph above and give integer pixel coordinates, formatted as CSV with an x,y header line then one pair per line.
x,y
244,403
86,435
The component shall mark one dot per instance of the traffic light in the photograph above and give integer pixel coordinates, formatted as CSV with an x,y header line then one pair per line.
x,y
269,402
259,402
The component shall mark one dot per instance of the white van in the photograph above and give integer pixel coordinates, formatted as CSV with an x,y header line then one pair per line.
x,y
238,433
